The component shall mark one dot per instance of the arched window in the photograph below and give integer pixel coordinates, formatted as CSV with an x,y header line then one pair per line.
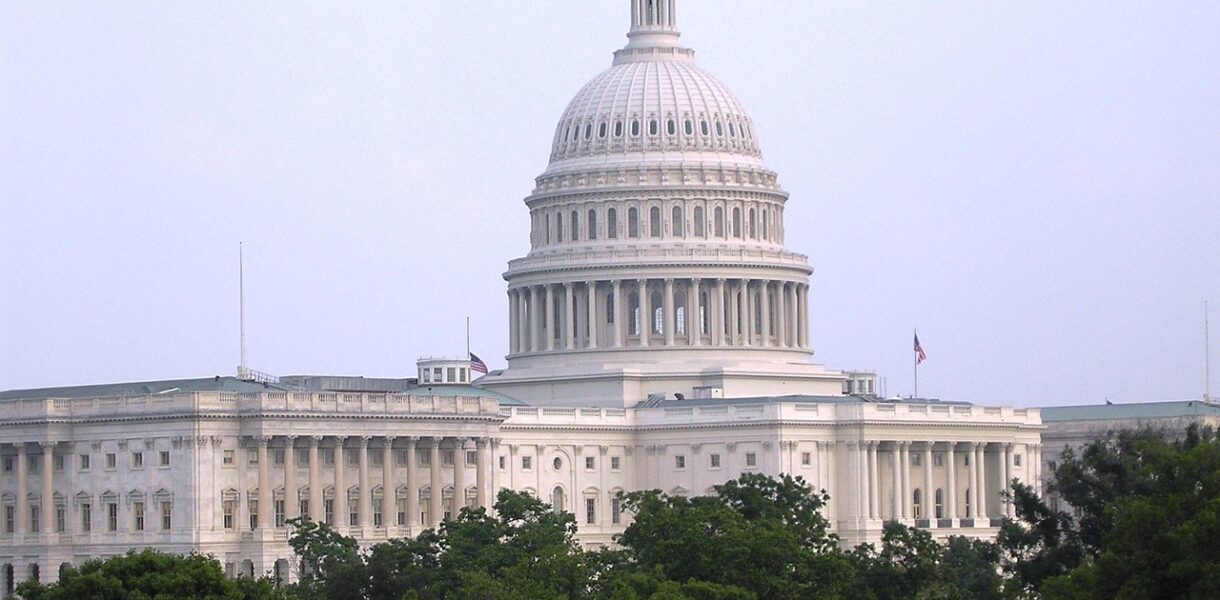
x,y
635,128
678,222
654,222
559,227
703,316
610,309
719,129
670,127
736,222
548,227
752,231
588,131
697,218
653,129
732,130
766,218
688,127
658,313
757,302
703,127
719,212
567,130
592,226
575,233
612,223
557,500
680,313
633,304
618,129
601,130
917,503
940,503
633,222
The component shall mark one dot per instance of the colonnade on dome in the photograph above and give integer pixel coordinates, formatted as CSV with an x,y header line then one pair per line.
x,y
658,313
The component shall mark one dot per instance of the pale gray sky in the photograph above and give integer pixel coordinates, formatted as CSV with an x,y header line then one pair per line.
x,y
1034,185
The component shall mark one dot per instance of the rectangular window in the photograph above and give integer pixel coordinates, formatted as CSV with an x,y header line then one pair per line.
x,y
751,459
252,456
402,511
111,460
59,518
376,512
10,513
376,459
279,513
86,517
302,457
8,464
713,461
328,456
32,463
58,461
353,516
425,459
167,515
137,513
164,458
527,463
966,459
916,459
304,507
615,463
253,507
472,457
353,459
83,462
447,458
35,521
1016,460
679,461
616,510
112,516
228,458
938,459
589,463
137,460
328,507
590,511
451,374
227,507
806,459
503,462
277,456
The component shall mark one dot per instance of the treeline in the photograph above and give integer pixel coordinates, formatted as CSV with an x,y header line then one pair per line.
x,y
1145,524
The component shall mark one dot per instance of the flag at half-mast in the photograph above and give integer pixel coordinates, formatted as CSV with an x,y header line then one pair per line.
x,y
477,365
919,354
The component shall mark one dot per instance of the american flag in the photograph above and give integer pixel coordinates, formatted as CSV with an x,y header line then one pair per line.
x,y
919,355
477,365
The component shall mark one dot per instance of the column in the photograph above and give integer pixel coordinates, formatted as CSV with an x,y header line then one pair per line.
x,y
1035,464
292,503
617,328
747,314
48,492
929,495
459,476
793,316
951,475
874,509
480,477
832,470
1007,482
694,318
513,313
389,487
897,499
412,486
862,479
364,508
972,512
591,287
23,502
803,317
982,478
265,507
342,519
908,507
535,324
569,318
548,320
716,313
669,321
764,298
436,499
781,306
645,315
316,513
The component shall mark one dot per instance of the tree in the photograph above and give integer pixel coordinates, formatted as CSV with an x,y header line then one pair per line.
x,y
1040,543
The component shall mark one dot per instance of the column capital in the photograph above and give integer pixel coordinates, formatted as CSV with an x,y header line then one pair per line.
x,y
669,281
362,441
262,440
290,439
339,440
314,440
389,439
47,444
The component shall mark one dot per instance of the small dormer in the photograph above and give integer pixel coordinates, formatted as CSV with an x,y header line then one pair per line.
x,y
860,383
443,371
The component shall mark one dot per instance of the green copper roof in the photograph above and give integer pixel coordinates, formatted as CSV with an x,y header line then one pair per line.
x,y
1137,410
142,388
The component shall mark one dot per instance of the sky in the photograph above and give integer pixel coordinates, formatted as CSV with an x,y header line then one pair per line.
x,y
1034,186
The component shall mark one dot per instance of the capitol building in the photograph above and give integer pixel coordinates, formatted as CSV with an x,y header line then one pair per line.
x,y
659,339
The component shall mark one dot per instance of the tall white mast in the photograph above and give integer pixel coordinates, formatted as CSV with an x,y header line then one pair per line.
x,y
241,311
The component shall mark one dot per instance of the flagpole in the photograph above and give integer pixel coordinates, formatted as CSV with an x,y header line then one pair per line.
x,y
468,338
915,360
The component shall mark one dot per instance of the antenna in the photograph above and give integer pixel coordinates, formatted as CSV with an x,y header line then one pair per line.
x,y
241,311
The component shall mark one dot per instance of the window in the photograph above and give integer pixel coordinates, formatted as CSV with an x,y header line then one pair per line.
x,y
616,510
618,129
719,129
10,513
719,221
658,313
635,128
83,462
252,504
277,456
328,509
688,127
472,457
1016,460
447,458
713,461
610,309
227,509
559,228
966,459
671,127
557,463
165,457
450,374
377,501
679,461
353,514
653,128
592,226
425,459
279,512
601,131
590,510
611,223
967,500
677,222
806,459
402,511
328,456
252,456
575,231
633,222
557,499
703,127
35,518
938,459
33,462
376,458
752,229
736,222
547,227
503,460
167,515
940,504
8,464
137,513
527,463
303,507
111,460
59,518
58,461
588,131
654,222
589,463
916,459
615,463
917,503
699,226
86,517
751,459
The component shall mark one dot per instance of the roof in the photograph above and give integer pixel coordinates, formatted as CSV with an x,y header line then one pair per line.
x,y
799,399
1136,410
447,389
142,388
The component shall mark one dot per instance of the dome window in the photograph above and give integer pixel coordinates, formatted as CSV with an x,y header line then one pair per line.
x,y
559,227
566,132
689,127
719,222
653,128
618,129
635,128
699,225
732,130
601,131
703,127
677,222
719,129
654,222
671,128
592,226
588,131
633,222
612,223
